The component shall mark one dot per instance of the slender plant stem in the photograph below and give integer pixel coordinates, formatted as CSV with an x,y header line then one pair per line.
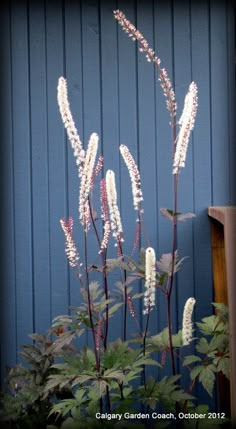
x,y
105,283
145,334
189,391
106,295
125,311
121,391
144,348
108,400
94,224
120,252
170,334
174,247
89,302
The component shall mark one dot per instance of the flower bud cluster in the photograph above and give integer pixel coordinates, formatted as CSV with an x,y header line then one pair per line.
x,y
150,280
187,328
106,236
131,305
87,180
70,249
186,123
135,34
116,225
98,334
67,119
134,176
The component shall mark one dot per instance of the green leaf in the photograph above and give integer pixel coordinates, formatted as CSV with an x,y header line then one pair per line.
x,y
188,360
224,366
222,308
207,378
83,378
177,339
220,343
170,214
195,371
183,217
114,308
180,395
167,213
160,341
210,325
62,341
202,346
165,263
116,375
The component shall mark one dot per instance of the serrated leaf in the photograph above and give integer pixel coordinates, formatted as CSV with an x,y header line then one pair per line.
x,y
165,263
188,360
211,325
63,340
183,217
220,343
167,213
195,372
223,308
202,346
177,339
82,378
224,366
114,308
207,378
114,374
137,295
180,395
79,395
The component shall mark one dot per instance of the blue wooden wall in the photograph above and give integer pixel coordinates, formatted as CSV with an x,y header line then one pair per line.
x,y
115,92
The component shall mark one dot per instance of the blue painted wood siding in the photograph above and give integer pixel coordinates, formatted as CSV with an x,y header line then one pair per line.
x,y
114,92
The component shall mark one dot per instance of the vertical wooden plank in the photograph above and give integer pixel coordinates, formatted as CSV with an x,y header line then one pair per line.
x,y
231,48
90,36
110,86
183,76
218,262
91,68
57,158
147,144
219,103
164,50
74,75
110,127
39,144
127,53
22,172
7,290
202,184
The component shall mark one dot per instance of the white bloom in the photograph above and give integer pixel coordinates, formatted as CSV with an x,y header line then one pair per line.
x,y
150,55
70,249
107,231
67,119
186,122
187,328
150,280
116,224
103,199
87,180
134,176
